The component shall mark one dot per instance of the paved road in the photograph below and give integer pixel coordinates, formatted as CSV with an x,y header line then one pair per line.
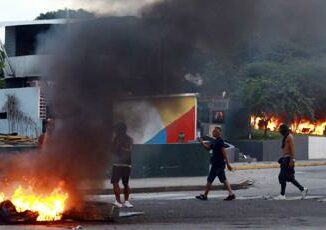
x,y
179,210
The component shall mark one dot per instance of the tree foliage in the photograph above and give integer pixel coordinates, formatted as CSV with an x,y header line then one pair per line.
x,y
268,97
66,13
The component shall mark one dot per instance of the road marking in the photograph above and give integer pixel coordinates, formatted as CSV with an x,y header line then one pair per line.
x,y
189,196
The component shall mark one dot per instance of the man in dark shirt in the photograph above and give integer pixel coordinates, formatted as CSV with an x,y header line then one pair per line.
x,y
218,161
121,149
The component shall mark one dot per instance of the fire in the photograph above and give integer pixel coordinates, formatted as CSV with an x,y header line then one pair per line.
x,y
50,207
303,126
272,125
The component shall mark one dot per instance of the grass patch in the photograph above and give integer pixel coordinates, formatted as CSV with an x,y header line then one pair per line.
x,y
258,134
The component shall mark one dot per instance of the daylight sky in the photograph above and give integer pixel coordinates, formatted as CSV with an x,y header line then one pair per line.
x,y
21,10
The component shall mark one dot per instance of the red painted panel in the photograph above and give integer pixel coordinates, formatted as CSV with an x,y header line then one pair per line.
x,y
186,124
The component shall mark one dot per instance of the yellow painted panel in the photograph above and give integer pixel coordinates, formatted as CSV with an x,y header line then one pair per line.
x,y
171,109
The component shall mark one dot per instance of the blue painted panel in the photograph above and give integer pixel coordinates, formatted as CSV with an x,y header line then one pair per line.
x,y
159,138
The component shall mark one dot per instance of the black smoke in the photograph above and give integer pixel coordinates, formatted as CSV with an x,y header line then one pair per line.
x,y
95,63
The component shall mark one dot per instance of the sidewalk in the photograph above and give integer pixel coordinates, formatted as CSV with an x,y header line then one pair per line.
x,y
271,164
241,178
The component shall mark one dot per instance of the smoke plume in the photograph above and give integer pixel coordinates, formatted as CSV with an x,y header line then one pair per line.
x,y
95,63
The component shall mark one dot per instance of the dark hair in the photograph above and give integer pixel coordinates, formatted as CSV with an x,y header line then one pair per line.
x,y
285,131
218,127
120,127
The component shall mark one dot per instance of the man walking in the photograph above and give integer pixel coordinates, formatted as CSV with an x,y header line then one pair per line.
x,y
218,161
121,149
287,164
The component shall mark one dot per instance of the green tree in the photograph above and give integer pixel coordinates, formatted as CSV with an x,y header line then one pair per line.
x,y
267,97
66,13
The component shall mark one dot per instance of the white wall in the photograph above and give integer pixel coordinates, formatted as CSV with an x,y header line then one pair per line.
x,y
29,65
317,147
28,99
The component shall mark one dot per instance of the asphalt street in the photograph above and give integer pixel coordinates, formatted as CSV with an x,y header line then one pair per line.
x,y
251,209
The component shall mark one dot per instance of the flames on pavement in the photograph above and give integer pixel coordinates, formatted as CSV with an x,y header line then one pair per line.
x,y
303,126
49,206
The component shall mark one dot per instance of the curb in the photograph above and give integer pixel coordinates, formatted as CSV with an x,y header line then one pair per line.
x,y
276,165
242,185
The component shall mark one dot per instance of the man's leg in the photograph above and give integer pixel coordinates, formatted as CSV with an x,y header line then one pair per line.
x,y
297,184
125,182
126,191
222,178
116,190
228,187
115,182
282,181
207,188
283,187
211,177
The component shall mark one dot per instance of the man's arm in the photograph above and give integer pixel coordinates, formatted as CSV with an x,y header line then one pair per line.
x,y
206,146
226,159
290,143
129,147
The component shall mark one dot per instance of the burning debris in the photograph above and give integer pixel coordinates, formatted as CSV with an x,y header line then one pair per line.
x,y
302,126
10,215
26,201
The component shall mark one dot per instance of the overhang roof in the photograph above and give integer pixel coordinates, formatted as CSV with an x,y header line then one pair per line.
x,y
35,22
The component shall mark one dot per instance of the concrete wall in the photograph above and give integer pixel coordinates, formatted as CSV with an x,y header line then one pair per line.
x,y
270,150
252,148
169,160
28,66
317,147
29,104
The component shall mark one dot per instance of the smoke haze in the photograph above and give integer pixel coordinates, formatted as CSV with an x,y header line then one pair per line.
x,y
97,62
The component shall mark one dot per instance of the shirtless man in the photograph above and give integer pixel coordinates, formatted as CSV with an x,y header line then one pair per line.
x,y
287,164
121,148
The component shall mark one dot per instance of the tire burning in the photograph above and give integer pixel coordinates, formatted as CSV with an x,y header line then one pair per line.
x,y
26,201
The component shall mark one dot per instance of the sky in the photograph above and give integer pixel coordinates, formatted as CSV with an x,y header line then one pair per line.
x,y
22,10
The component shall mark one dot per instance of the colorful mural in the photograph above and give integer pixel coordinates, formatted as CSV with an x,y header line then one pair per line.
x,y
159,120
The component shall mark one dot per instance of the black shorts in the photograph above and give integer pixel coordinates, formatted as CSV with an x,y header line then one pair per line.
x,y
120,172
216,171
286,172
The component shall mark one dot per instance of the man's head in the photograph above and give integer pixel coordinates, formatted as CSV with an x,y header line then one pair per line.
x,y
284,129
120,128
217,131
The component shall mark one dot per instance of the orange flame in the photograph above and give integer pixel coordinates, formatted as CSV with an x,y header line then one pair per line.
x,y
303,126
50,207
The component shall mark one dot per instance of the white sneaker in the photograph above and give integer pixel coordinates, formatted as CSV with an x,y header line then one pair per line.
x,y
304,193
280,197
118,204
127,204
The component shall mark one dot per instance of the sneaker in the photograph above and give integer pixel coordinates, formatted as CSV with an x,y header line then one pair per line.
x,y
117,204
280,197
304,193
127,204
230,197
201,197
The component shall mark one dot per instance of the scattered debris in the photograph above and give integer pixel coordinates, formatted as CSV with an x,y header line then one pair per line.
x,y
130,214
14,139
10,215
250,182
92,211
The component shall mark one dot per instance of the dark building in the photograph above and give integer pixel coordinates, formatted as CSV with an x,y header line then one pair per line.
x,y
21,62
